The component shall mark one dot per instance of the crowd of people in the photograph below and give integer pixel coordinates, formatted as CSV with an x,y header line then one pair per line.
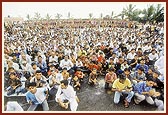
x,y
47,58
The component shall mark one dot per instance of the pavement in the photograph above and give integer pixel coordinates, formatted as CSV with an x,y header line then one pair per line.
x,y
91,99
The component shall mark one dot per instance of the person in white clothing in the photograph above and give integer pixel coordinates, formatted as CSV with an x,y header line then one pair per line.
x,y
66,63
36,96
159,65
53,58
13,106
66,92
153,56
10,63
24,57
67,51
131,55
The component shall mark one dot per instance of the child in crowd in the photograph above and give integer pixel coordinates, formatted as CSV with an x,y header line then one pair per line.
x,y
93,77
109,78
15,85
76,83
79,74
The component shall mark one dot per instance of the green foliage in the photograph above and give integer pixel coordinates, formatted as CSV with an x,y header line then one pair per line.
x,y
150,14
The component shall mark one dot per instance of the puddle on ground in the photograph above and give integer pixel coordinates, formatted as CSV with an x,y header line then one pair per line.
x,y
101,83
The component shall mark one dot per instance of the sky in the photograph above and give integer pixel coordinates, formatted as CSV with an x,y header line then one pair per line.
x,y
76,9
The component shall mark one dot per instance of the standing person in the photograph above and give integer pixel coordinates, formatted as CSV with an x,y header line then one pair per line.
x,y
36,96
66,92
122,85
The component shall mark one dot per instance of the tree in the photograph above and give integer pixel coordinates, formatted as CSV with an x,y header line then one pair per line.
x,y
69,15
90,15
129,11
101,15
58,16
159,14
112,14
136,15
28,16
148,13
154,14
37,16
48,17
122,14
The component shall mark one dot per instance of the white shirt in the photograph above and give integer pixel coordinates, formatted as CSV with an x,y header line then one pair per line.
x,y
51,59
131,56
68,93
40,95
160,63
28,59
67,52
15,66
152,57
28,67
43,78
66,64
146,48
58,78
13,106
79,64
32,71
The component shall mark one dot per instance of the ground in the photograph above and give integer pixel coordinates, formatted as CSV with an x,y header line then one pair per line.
x,y
92,99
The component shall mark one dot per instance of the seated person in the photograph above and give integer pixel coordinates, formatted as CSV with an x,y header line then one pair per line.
x,y
109,78
79,74
138,76
76,83
54,82
36,96
66,75
15,85
39,79
93,77
66,92
122,85
13,106
144,91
